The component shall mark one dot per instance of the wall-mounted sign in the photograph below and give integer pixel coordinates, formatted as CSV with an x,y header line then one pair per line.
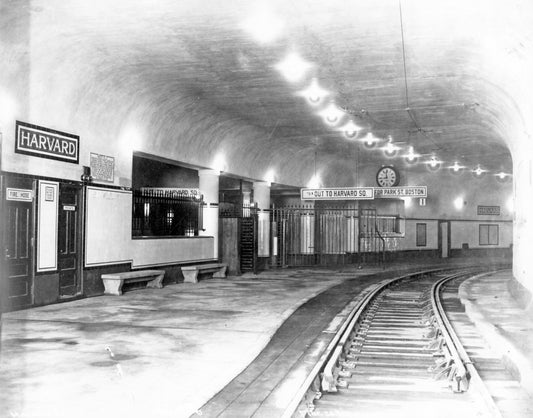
x,y
102,167
21,195
407,191
488,210
69,208
49,193
338,193
46,143
172,192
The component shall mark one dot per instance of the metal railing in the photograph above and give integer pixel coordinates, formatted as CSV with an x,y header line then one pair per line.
x,y
165,213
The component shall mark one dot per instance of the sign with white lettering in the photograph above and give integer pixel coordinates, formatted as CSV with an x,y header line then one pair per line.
x,y
102,167
395,192
46,143
488,210
172,191
21,195
338,193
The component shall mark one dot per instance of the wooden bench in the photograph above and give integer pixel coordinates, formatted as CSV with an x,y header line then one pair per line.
x,y
190,273
113,282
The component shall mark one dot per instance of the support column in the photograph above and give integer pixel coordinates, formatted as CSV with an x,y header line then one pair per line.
x,y
209,181
523,222
262,199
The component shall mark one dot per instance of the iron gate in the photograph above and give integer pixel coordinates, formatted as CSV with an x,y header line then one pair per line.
x,y
309,236
239,232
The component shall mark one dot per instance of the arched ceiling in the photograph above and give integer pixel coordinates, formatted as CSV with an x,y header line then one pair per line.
x,y
197,83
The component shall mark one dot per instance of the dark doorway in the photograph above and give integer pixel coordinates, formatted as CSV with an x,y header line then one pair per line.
x,y
69,243
444,239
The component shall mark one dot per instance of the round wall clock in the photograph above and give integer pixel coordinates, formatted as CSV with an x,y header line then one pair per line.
x,y
387,176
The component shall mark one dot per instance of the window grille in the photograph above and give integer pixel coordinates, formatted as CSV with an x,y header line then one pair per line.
x,y
385,225
165,213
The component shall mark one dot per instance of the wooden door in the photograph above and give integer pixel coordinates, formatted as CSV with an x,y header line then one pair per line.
x,y
68,248
18,244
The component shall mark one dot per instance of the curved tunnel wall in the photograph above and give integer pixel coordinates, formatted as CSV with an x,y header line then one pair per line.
x,y
66,69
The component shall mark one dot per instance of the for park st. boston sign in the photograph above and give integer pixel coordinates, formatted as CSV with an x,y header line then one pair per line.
x,y
46,143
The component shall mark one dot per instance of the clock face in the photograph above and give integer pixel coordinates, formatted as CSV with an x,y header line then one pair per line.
x,y
387,177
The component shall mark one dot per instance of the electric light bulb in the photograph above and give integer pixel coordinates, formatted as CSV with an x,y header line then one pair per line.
x,y
332,114
350,129
293,67
314,93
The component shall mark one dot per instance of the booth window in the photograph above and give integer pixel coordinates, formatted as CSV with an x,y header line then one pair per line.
x,y
165,213
166,199
421,235
488,234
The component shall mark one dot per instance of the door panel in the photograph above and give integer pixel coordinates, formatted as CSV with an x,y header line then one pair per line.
x,y
18,248
68,240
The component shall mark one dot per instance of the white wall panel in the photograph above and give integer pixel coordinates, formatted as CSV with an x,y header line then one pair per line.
x,y
467,232
409,242
151,252
47,226
108,226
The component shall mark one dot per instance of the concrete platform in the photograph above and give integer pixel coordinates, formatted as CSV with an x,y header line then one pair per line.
x,y
503,319
167,352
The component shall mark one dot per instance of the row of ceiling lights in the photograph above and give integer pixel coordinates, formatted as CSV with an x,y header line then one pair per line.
x,y
266,27
294,69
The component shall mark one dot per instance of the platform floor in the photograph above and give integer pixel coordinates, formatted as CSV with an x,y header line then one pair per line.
x,y
505,323
168,352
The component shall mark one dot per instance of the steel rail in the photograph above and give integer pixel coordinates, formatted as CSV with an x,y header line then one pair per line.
x,y
329,358
463,370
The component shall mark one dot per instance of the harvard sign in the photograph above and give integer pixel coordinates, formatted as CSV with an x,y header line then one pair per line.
x,y
46,143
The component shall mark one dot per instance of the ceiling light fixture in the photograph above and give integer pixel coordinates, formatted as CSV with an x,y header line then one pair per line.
x,y
332,114
456,167
479,171
411,157
350,129
314,93
510,204
293,67
501,175
219,163
370,141
263,25
314,183
433,164
270,176
390,149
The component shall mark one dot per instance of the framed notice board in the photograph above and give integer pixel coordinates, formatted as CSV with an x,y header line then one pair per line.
x,y
102,167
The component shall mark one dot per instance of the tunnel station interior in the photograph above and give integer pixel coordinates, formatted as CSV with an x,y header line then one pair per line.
x,y
139,135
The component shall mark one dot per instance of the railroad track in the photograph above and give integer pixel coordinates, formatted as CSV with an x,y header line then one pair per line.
x,y
398,355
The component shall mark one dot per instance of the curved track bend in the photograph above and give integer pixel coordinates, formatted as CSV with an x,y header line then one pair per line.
x,y
399,356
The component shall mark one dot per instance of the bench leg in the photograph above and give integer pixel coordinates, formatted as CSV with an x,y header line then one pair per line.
x,y
190,276
221,272
113,287
157,282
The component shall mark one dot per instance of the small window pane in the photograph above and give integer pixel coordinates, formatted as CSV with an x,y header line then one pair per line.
x,y
489,234
493,235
